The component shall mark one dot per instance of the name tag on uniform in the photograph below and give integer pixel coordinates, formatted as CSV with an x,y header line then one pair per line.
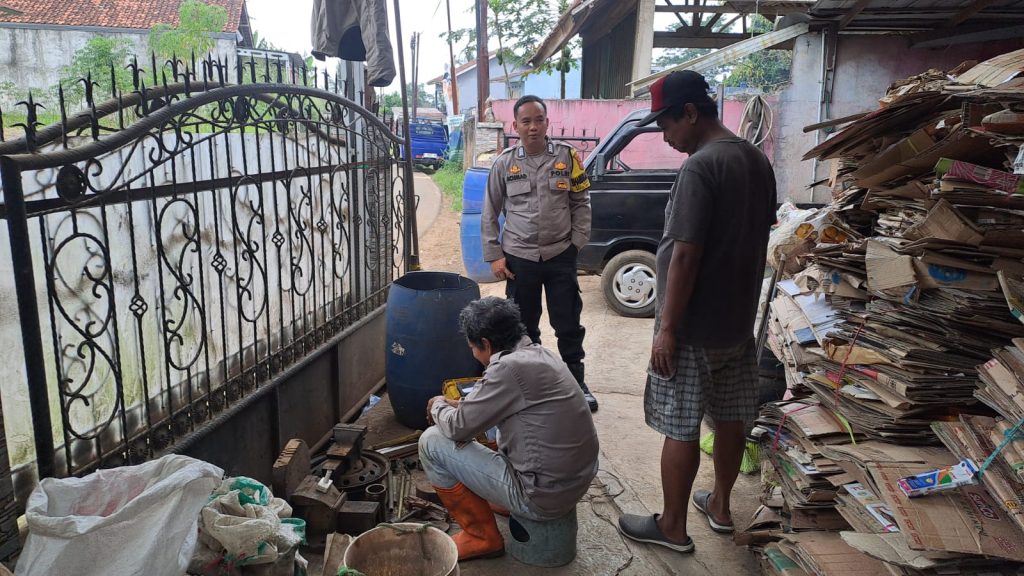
x,y
516,177
560,173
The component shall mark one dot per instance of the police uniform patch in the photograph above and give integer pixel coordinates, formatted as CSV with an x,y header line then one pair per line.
x,y
560,165
562,185
515,169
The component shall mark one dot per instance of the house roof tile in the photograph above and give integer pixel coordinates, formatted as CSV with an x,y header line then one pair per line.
x,y
135,14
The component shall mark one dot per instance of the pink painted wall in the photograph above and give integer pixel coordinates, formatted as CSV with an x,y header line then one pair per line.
x,y
568,118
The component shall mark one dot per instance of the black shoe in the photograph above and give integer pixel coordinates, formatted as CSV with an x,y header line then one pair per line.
x,y
591,401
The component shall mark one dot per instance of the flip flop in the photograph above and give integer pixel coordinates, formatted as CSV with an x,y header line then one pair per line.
x,y
645,529
700,502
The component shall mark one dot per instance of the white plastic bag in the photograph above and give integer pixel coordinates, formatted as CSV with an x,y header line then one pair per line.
x,y
134,520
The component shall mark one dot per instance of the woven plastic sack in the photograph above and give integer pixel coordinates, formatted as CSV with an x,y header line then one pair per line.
x,y
133,520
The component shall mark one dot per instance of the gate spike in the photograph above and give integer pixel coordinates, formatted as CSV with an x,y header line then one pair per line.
x,y
327,81
63,114
31,121
1,124
152,56
134,67
188,86
304,79
222,70
335,83
280,73
193,69
113,80
238,71
143,93
120,110
207,70
252,70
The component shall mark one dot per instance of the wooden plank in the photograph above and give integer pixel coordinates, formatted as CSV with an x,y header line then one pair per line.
x,y
835,122
337,545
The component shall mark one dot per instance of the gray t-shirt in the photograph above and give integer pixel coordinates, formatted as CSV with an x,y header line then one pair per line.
x,y
723,199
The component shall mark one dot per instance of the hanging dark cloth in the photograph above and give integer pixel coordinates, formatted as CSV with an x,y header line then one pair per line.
x,y
355,30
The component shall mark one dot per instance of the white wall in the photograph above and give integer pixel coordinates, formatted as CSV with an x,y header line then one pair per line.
x,y
32,58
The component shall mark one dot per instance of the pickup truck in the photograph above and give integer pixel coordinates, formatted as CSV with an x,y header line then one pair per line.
x,y
429,143
631,172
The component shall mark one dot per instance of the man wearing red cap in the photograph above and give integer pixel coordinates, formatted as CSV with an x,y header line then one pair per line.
x,y
710,265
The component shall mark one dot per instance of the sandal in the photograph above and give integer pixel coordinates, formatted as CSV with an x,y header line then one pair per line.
x,y
700,502
645,529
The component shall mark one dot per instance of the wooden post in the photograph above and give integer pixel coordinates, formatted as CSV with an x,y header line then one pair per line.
x,y
451,59
643,47
483,61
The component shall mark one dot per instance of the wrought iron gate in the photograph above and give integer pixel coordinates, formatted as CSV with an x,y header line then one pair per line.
x,y
176,248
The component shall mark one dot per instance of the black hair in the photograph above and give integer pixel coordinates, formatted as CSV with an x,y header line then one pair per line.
x,y
706,107
495,319
526,100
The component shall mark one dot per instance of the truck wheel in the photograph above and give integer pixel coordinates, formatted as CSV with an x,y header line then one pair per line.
x,y
628,283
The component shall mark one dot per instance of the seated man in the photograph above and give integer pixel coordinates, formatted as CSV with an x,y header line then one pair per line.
x,y
547,444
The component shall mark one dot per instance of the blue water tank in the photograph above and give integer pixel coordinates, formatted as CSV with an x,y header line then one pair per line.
x,y
474,187
424,345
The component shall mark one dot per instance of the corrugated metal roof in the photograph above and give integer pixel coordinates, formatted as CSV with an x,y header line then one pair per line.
x,y
919,14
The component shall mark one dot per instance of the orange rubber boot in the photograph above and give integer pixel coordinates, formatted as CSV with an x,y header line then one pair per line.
x,y
480,537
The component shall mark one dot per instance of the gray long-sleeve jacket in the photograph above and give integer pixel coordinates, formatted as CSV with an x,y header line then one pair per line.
x,y
545,201
544,425
355,30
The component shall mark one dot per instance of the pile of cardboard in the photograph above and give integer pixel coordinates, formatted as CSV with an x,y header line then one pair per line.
x,y
895,300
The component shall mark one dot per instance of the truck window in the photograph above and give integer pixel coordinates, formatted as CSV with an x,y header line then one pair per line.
x,y
646,151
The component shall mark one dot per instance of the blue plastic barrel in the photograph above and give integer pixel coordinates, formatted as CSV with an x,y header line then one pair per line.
x,y
473,189
474,186
424,345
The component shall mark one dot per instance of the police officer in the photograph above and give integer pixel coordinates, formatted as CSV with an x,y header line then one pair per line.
x,y
541,188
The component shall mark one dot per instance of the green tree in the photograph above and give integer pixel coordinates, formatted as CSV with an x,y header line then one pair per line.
x,y
95,59
768,69
392,101
197,23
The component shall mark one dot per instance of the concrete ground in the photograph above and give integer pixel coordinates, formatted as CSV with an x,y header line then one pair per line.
x,y
629,480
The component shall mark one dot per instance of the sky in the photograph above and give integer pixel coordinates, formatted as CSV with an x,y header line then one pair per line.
x,y
286,24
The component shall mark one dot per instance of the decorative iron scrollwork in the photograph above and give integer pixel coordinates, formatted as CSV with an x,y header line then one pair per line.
x,y
70,183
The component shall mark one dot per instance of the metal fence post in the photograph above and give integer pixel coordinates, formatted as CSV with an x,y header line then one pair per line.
x,y
28,313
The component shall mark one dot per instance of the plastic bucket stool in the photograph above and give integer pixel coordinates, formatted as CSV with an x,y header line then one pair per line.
x,y
547,544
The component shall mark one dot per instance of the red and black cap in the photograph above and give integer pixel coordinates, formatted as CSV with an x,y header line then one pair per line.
x,y
680,87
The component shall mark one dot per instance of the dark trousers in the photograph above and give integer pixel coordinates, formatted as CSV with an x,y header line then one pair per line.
x,y
557,277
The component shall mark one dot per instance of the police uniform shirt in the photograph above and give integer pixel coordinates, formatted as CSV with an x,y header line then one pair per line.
x,y
545,202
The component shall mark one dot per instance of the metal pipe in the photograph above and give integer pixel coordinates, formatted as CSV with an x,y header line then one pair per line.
x,y
410,241
28,313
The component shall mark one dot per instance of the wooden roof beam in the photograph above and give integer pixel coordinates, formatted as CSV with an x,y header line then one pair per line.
x,y
853,12
972,9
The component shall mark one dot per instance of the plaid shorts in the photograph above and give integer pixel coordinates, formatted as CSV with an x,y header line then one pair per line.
x,y
720,381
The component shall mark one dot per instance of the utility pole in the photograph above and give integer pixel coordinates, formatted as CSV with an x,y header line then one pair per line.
x,y
483,61
451,58
415,41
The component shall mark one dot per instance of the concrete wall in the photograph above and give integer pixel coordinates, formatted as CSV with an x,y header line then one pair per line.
x,y
31,58
543,85
865,67
591,118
